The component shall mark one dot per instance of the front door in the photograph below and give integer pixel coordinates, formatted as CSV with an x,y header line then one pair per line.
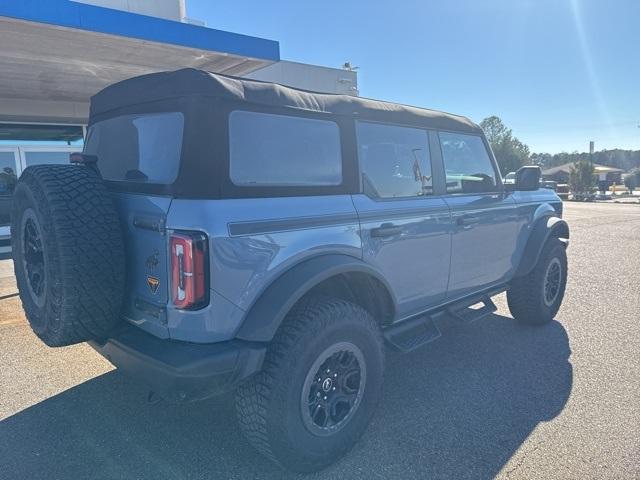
x,y
484,219
405,228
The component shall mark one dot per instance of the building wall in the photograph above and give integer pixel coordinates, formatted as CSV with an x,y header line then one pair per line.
x,y
309,77
168,9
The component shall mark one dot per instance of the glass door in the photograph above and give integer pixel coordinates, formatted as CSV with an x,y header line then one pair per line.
x,y
13,160
39,155
10,169
26,144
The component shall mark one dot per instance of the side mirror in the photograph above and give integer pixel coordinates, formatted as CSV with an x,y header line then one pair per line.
x,y
528,178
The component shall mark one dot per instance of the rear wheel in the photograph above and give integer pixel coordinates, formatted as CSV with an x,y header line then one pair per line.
x,y
536,297
68,253
319,386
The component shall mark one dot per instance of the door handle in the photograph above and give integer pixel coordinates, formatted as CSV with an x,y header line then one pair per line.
x,y
386,230
467,220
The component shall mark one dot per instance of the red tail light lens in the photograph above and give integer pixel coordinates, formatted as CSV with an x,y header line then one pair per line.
x,y
189,270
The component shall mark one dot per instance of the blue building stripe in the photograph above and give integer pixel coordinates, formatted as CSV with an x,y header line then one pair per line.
x,y
70,14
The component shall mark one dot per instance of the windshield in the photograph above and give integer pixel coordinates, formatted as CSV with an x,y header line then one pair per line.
x,y
138,148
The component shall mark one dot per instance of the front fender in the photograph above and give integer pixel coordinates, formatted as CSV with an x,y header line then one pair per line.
x,y
544,229
268,312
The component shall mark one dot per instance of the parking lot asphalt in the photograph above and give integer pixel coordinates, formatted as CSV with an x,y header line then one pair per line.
x,y
490,399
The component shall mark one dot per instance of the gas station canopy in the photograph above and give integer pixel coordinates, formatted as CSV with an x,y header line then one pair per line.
x,y
60,52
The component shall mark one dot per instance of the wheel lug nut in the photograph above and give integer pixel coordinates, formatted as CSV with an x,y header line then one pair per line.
x,y
325,398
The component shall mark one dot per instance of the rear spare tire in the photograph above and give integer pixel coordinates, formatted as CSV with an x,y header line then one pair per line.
x,y
68,253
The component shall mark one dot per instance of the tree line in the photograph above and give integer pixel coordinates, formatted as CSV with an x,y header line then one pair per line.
x,y
625,159
511,153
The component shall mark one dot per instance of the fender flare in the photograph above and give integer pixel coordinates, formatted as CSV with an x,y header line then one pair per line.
x,y
267,313
544,228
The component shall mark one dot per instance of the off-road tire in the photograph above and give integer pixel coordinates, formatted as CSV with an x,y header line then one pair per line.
x,y
82,252
525,295
268,405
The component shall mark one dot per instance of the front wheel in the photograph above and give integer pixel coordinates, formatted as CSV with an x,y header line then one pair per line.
x,y
536,297
319,387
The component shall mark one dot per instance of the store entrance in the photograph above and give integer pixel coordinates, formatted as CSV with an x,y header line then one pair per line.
x,y
22,145
9,172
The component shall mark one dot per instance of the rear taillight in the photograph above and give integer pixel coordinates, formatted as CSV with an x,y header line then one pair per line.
x,y
189,270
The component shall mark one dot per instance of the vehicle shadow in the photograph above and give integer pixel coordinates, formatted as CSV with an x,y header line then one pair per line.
x,y
458,408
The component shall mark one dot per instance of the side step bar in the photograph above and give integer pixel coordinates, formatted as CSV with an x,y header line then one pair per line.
x,y
466,314
415,332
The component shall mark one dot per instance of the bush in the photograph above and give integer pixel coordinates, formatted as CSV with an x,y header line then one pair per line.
x,y
632,180
581,179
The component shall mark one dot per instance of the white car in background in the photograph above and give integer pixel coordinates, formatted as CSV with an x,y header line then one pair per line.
x,y
509,178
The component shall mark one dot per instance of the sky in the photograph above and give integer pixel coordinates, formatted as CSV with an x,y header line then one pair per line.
x,y
558,72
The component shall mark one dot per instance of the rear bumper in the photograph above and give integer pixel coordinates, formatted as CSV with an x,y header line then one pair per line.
x,y
181,371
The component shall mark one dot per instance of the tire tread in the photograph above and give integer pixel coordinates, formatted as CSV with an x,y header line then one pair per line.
x,y
85,241
255,397
525,306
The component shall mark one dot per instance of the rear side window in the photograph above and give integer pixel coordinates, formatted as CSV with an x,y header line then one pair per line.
x,y
395,161
143,148
467,164
281,150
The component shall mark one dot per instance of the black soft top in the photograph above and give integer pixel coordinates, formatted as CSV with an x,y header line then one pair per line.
x,y
192,82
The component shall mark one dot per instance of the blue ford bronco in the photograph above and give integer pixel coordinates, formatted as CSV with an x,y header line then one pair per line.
x,y
219,234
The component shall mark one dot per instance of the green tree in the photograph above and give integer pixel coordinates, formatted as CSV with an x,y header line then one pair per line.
x,y
510,152
581,179
630,183
632,180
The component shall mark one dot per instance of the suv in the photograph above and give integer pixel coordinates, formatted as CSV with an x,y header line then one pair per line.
x,y
220,234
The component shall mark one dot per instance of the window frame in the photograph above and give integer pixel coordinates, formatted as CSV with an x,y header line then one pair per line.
x,y
154,181
494,164
437,172
345,132
190,182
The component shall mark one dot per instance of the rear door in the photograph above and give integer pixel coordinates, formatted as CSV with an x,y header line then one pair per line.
x,y
405,226
485,220
136,151
143,218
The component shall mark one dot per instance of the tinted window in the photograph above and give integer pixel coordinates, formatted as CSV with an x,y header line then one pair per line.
x,y
394,160
467,164
280,150
138,148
